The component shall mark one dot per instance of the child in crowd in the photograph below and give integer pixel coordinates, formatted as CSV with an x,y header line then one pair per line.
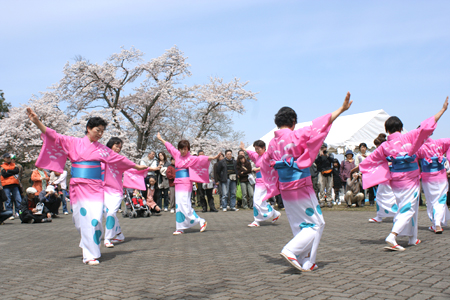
x,y
137,199
151,196
337,183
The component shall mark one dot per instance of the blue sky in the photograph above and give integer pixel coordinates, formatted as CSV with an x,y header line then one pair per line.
x,y
391,55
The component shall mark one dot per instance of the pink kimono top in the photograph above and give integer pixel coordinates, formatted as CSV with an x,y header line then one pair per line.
x,y
290,154
189,168
113,177
86,158
257,160
431,158
399,149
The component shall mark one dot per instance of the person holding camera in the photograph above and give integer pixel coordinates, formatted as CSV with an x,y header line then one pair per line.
x,y
353,195
324,163
50,199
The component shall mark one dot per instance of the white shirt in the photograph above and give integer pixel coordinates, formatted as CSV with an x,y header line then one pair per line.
x,y
62,180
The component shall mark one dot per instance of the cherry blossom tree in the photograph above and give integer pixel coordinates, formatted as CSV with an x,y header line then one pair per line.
x,y
138,98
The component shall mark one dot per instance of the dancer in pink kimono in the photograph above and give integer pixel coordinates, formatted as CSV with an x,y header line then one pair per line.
x,y
403,174
384,195
434,181
113,189
285,168
262,210
188,169
86,185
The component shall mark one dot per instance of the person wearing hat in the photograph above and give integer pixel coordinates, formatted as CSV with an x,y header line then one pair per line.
x,y
324,163
9,180
346,167
32,210
51,199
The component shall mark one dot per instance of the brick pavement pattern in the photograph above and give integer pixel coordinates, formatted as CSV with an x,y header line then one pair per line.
x,y
227,261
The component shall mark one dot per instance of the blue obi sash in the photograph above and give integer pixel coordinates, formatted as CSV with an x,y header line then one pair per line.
x,y
87,170
433,166
258,175
181,173
403,163
289,171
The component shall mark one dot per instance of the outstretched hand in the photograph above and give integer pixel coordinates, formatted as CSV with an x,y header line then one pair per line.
x,y
32,115
242,146
347,103
442,111
140,167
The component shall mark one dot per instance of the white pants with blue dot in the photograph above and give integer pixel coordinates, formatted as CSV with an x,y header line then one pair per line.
x,y
406,209
112,205
307,224
87,217
385,200
262,210
436,196
186,217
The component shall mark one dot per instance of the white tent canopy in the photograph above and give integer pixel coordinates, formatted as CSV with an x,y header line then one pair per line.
x,y
348,132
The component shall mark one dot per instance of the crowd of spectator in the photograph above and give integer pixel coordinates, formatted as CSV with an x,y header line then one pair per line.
x,y
233,179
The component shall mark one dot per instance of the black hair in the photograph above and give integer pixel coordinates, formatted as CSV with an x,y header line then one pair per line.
x,y
226,151
286,116
184,144
336,161
165,157
238,163
259,143
393,124
172,158
95,122
113,141
381,138
200,151
362,144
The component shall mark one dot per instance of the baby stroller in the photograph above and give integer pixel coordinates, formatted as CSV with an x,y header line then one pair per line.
x,y
134,211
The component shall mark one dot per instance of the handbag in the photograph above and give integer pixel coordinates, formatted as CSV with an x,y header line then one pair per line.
x,y
251,179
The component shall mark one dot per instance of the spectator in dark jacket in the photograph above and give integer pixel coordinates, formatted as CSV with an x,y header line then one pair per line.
x,y
170,173
226,169
244,168
337,183
217,177
4,214
51,199
29,212
324,163
315,179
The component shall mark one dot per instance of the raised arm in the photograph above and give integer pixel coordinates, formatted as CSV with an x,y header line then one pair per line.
x,y
158,136
442,111
210,158
345,106
34,118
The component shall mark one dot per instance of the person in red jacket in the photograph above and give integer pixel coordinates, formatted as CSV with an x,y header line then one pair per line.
x,y
170,173
9,180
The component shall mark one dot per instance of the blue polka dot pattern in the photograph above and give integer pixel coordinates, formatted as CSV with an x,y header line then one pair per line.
x,y
405,208
443,199
434,212
269,207
386,211
110,222
195,214
192,221
265,215
306,225
319,211
255,211
309,211
415,194
394,208
176,206
412,221
83,211
378,208
97,235
107,210
180,217
94,222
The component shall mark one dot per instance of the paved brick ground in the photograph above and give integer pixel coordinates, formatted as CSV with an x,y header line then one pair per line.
x,y
227,261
